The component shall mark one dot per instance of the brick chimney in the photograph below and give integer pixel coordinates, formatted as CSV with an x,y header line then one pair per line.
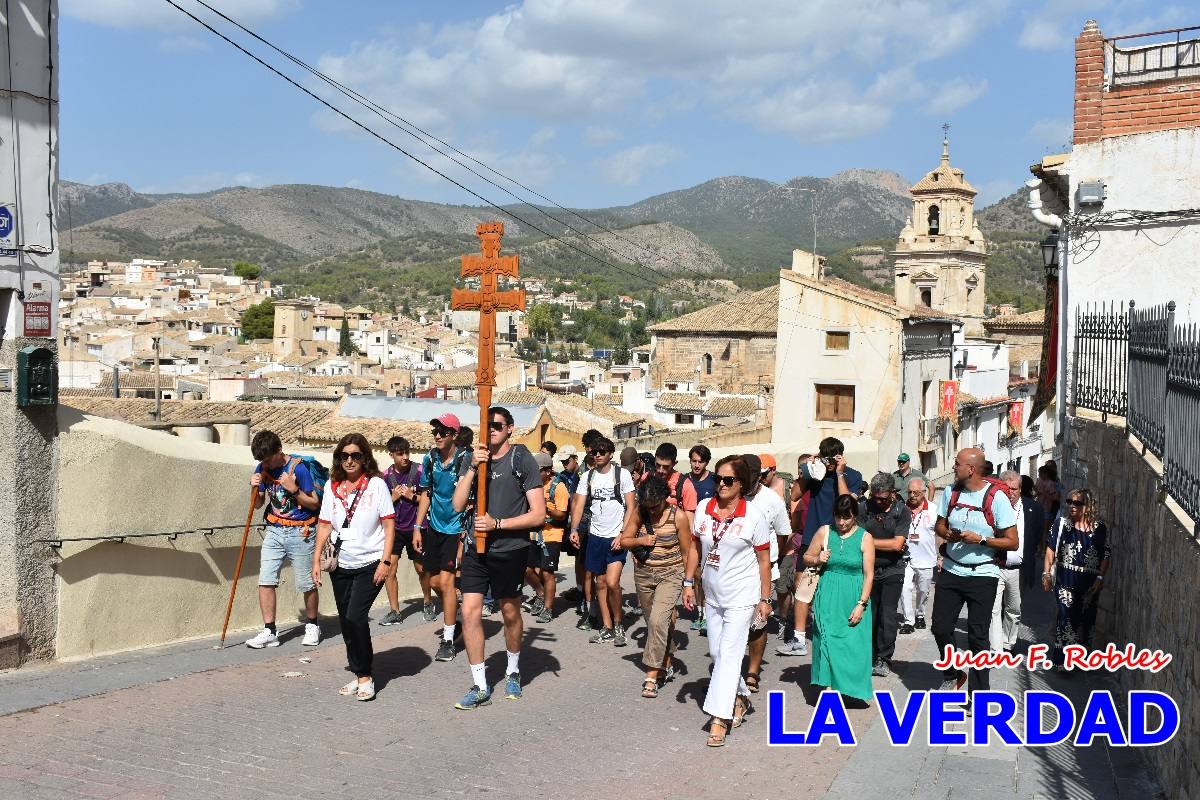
x,y
1089,83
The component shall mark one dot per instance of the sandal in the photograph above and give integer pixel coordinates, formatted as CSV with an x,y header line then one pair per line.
x,y
715,739
649,688
349,689
741,705
752,682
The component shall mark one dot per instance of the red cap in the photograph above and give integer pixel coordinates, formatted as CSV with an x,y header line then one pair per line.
x,y
447,420
768,461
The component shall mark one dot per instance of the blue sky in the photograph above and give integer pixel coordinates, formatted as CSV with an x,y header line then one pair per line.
x,y
592,102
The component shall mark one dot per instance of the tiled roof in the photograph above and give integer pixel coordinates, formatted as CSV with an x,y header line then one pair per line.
x,y
377,431
749,312
614,415
1030,320
134,380
453,379
944,177
731,407
286,420
516,397
687,402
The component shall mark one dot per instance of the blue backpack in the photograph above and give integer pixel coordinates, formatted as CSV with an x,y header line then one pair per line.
x,y
316,470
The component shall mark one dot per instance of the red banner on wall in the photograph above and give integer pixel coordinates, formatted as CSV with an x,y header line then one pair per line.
x,y
37,319
947,398
1016,413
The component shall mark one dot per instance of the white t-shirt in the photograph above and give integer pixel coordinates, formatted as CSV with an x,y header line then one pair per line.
x,y
362,542
775,511
734,582
608,513
922,538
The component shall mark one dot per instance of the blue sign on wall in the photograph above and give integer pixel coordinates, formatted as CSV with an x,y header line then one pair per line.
x,y
8,226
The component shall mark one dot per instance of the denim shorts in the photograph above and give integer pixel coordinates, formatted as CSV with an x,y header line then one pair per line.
x,y
600,554
287,540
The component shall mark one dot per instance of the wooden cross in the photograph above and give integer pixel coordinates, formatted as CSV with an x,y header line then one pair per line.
x,y
487,301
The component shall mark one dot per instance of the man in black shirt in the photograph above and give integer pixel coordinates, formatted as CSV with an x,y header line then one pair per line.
x,y
888,522
516,505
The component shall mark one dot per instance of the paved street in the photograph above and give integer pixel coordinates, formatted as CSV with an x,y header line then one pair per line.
x,y
190,722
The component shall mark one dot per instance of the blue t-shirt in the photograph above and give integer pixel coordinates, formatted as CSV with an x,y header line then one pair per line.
x,y
570,479
706,487
974,521
820,507
279,502
439,480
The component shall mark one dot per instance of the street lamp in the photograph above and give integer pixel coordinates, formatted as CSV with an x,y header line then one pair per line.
x,y
1050,254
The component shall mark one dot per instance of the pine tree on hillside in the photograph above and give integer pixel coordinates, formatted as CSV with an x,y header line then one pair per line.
x,y
345,345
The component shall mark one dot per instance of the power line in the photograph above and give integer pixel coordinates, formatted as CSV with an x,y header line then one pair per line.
x,y
424,136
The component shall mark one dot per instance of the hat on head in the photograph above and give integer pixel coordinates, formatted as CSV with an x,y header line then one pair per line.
x,y
629,457
543,459
447,420
903,458
754,462
566,453
768,461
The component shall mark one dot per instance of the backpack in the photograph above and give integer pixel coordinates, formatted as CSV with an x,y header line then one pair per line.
x,y
993,485
620,498
316,470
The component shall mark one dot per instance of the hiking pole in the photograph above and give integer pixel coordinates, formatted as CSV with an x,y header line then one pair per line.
x,y
237,571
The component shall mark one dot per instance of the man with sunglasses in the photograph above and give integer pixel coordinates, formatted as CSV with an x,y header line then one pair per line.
x,y
682,492
438,541
888,522
516,506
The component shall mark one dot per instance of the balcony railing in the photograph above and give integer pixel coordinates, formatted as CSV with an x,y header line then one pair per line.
x,y
1173,57
930,433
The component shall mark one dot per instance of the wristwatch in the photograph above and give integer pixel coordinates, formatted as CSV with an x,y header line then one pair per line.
x,y
387,562
766,600
688,583
863,603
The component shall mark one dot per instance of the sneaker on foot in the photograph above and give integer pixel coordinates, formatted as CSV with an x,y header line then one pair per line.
x,y
633,610
602,636
489,609
948,685
527,602
263,638
391,618
312,634
796,647
537,606
545,616
445,651
703,629
920,624
619,636
584,624
907,629
429,612
880,669
474,698
696,623
512,686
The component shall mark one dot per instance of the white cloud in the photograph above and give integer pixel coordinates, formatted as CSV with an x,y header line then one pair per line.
x,y
205,182
160,15
542,136
626,167
597,135
1055,24
1052,133
955,94
581,61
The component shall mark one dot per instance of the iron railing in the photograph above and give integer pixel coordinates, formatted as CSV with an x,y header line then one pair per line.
x,y
1140,365
1099,367
1171,59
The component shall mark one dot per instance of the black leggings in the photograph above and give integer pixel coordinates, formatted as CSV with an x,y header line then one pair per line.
x,y
355,591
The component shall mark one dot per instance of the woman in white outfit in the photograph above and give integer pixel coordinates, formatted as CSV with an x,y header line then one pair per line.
x,y
732,558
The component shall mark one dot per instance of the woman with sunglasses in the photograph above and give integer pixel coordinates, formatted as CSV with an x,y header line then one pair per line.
x,y
1077,558
732,555
357,512
660,540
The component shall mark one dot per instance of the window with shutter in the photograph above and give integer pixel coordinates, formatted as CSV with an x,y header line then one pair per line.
x,y
837,340
835,403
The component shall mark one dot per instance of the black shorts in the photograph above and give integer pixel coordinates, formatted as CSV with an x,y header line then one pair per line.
x,y
403,543
547,560
572,550
441,551
501,571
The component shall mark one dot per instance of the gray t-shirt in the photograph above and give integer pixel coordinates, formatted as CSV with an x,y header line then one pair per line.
x,y
509,478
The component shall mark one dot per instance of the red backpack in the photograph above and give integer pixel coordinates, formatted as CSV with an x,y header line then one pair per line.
x,y
994,485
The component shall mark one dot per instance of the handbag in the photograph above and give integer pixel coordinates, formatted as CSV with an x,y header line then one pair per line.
x,y
642,552
806,581
329,554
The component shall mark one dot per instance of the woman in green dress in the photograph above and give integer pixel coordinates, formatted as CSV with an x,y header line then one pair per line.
x,y
841,609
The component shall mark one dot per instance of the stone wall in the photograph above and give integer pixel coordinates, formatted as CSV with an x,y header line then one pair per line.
x,y
1149,596
751,360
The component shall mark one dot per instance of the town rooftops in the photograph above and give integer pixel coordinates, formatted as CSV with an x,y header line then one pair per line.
x,y
1030,320
286,420
746,313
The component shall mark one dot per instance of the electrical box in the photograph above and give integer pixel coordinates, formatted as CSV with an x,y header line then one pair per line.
x,y
1090,193
37,377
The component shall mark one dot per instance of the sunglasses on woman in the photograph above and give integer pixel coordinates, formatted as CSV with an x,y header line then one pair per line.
x,y
351,455
1076,503
726,480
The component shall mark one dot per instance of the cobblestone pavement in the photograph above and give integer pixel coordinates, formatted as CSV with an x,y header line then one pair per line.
x,y
190,722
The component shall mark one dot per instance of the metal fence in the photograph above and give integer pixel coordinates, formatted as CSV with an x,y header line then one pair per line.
x,y
1139,364
1100,359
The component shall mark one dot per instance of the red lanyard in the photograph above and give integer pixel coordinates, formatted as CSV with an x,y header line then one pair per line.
x,y
724,524
359,489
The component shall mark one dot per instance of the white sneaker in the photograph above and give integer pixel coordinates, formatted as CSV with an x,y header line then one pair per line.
x,y
263,638
796,647
312,634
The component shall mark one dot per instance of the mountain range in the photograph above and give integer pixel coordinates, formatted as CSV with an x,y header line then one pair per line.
x,y
375,248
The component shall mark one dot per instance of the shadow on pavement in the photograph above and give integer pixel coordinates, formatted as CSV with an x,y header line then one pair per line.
x,y
399,662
